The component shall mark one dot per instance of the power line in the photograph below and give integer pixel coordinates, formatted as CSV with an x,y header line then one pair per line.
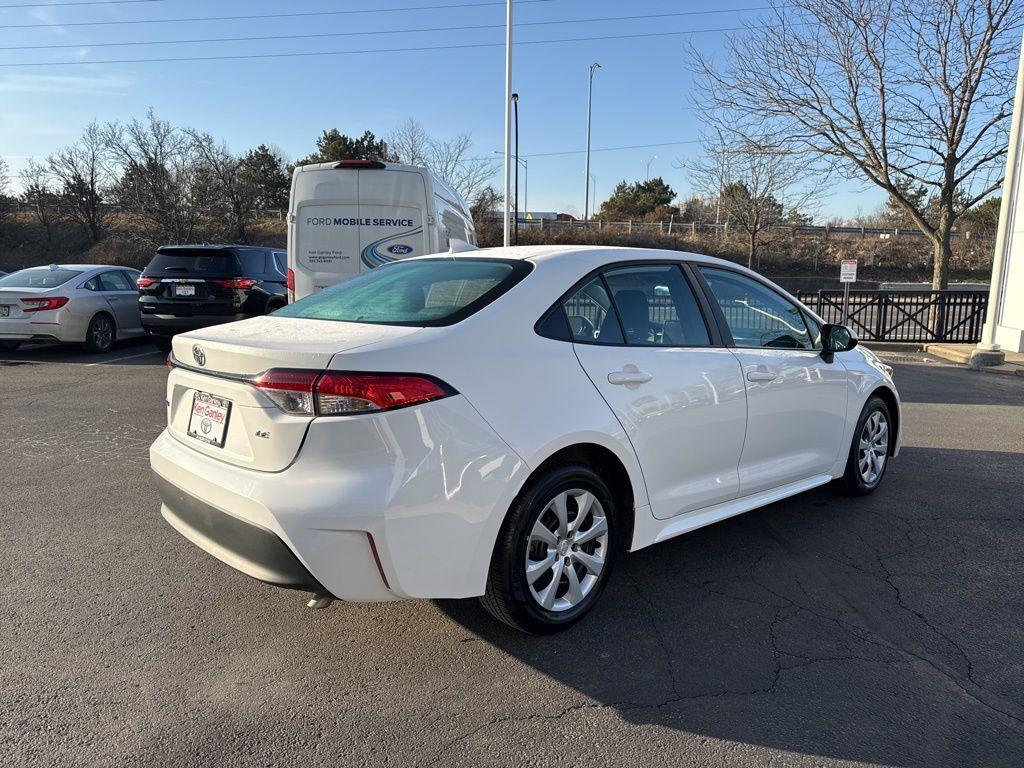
x,y
81,2
306,54
614,149
262,15
260,38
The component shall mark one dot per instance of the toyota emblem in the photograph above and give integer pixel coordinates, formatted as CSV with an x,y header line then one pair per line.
x,y
199,356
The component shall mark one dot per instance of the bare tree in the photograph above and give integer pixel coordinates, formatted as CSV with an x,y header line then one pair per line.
x,y
757,186
36,193
451,159
83,179
897,93
162,179
5,181
233,184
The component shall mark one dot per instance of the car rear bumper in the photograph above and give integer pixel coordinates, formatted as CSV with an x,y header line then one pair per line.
x,y
169,325
245,546
28,329
402,504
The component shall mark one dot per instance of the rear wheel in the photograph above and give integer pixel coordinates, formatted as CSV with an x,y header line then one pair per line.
x,y
101,334
869,454
555,551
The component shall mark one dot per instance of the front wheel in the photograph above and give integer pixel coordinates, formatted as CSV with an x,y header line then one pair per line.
x,y
555,551
100,335
869,454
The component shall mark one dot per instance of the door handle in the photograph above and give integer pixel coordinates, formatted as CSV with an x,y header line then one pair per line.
x,y
762,376
629,377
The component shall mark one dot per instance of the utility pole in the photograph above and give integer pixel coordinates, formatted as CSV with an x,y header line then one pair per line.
x,y
507,237
586,170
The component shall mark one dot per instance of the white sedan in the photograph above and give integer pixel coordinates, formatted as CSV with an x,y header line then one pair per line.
x,y
85,303
503,424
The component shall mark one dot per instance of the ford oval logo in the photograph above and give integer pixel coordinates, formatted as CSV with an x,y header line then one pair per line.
x,y
400,250
198,355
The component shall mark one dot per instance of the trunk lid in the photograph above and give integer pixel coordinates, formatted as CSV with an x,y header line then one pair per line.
x,y
223,358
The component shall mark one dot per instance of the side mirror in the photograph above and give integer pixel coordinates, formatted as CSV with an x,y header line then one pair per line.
x,y
836,338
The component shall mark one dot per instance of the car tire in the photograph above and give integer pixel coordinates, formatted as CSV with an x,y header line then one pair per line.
x,y
163,343
870,449
101,334
9,346
581,553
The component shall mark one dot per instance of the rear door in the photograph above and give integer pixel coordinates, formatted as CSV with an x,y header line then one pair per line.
x,y
123,298
392,206
642,338
796,400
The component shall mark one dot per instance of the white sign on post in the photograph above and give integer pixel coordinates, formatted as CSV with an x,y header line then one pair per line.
x,y
848,271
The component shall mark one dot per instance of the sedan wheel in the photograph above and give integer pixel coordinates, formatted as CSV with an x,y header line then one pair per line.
x,y
100,335
554,552
869,454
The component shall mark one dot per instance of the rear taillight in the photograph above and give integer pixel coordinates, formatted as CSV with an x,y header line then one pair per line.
x,y
311,393
240,283
145,282
44,305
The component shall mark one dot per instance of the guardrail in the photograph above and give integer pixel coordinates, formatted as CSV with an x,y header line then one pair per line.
x,y
911,316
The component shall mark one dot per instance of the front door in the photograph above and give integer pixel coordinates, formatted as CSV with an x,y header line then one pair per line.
x,y
796,401
642,339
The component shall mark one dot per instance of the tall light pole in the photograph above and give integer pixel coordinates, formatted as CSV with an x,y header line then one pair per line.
x,y
647,163
523,161
586,171
507,238
721,177
593,192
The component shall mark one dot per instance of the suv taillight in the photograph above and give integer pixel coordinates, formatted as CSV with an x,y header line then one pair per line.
x,y
44,305
145,282
336,393
240,283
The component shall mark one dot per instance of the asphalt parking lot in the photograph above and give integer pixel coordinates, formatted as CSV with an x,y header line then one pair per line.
x,y
821,630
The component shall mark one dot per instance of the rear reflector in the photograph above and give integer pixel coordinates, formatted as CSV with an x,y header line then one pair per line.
x,y
44,305
311,393
145,282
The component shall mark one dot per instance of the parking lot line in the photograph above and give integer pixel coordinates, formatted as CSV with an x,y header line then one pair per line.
x,y
127,357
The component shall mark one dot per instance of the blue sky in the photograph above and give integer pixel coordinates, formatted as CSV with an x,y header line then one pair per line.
x,y
640,94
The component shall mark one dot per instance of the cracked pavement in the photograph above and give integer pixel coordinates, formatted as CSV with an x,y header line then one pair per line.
x,y
821,630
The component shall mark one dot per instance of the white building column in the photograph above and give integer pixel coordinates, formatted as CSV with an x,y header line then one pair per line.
x,y
1004,321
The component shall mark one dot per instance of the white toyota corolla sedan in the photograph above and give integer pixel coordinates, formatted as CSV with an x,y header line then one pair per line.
x,y
90,303
505,423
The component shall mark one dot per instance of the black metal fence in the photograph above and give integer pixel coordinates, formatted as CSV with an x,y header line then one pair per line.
x,y
911,316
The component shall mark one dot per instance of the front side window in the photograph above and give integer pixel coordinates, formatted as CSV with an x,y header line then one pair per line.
x,y
591,315
657,306
756,315
421,292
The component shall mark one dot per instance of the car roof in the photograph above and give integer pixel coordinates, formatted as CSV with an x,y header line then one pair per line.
x,y
82,267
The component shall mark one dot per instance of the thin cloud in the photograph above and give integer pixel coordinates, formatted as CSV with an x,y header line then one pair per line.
x,y
91,85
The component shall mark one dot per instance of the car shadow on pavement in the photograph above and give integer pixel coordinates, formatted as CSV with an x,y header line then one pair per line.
x,y
883,629
138,351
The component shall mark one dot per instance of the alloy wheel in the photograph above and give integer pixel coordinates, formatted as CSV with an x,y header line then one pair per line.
x,y
873,448
102,333
566,550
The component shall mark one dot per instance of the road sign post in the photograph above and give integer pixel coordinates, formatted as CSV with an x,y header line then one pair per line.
x,y
847,275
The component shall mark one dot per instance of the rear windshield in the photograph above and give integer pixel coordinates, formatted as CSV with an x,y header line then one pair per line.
x,y
426,292
207,261
38,277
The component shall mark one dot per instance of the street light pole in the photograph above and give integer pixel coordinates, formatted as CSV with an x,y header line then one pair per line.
x,y
647,175
721,179
586,171
507,236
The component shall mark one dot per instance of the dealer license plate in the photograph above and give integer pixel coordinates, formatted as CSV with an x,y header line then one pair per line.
x,y
208,422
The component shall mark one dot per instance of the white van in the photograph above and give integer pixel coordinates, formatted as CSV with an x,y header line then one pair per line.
x,y
351,216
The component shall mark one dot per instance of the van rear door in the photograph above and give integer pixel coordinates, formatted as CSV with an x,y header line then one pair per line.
x,y
349,220
392,210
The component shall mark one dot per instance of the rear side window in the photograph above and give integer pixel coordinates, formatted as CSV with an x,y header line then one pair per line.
x,y
114,281
252,262
38,277
657,306
428,292
756,315
592,317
